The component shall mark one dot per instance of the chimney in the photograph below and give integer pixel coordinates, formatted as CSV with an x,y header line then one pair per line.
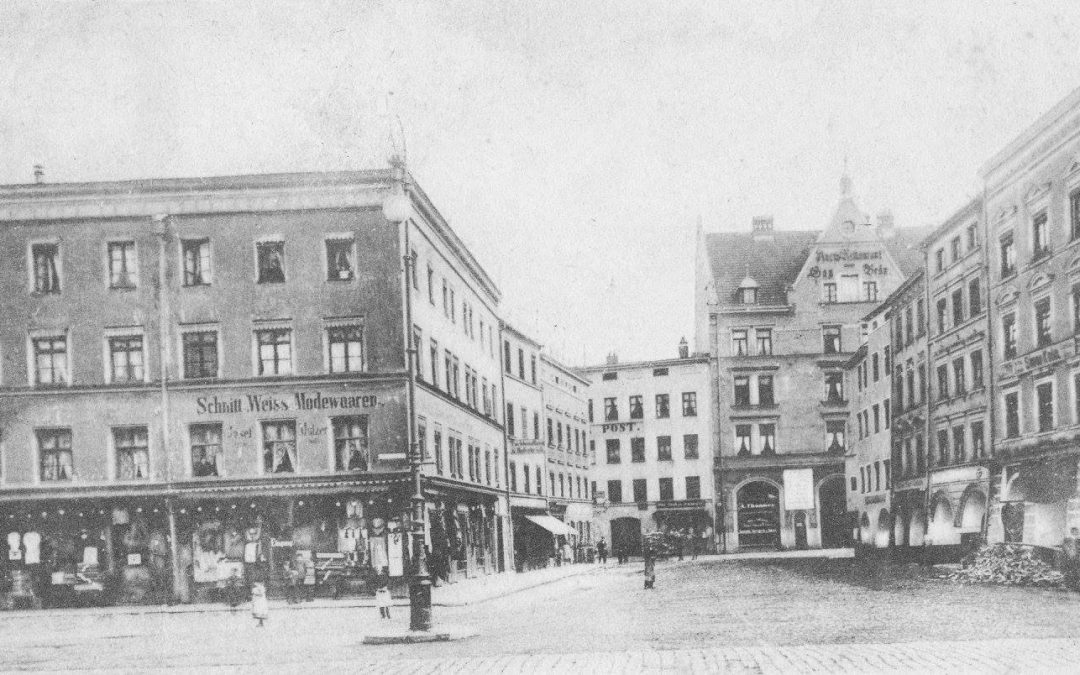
x,y
39,174
886,226
612,359
684,349
762,227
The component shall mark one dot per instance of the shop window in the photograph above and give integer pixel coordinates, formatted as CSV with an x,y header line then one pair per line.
x,y
693,487
831,339
667,488
690,446
614,491
689,404
663,408
740,345
611,410
271,260
122,264
637,450
46,267
126,358
1044,395
200,354
764,341
279,446
744,445
834,437
613,451
196,254
132,448
274,351
636,409
641,491
663,448
50,359
55,454
205,449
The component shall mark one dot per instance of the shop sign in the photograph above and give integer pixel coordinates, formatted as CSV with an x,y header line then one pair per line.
x,y
798,489
1041,359
617,427
256,403
966,474
667,504
874,499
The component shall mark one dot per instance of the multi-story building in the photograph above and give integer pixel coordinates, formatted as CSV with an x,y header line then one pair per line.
x,y
569,457
910,417
957,462
781,312
206,377
654,467
1032,213
869,454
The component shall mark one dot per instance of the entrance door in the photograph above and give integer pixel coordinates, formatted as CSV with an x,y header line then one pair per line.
x,y
626,535
832,508
800,530
758,511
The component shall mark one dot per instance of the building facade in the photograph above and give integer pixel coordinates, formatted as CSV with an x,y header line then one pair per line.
x,y
781,312
654,465
206,378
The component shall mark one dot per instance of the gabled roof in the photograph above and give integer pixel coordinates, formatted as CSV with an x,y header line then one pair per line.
x,y
904,247
773,262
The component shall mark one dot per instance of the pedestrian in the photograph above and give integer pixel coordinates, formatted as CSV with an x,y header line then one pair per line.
x,y
292,582
567,553
260,609
382,593
693,546
1071,548
681,539
650,568
601,550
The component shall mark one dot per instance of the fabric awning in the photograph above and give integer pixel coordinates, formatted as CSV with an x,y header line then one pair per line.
x,y
552,525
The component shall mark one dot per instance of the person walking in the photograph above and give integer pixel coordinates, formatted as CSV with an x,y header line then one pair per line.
x,y
260,608
382,594
601,550
650,568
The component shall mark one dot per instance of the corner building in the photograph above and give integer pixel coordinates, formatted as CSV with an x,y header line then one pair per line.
x,y
781,312
205,378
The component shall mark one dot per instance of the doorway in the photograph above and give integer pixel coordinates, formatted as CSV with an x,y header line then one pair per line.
x,y
800,530
758,510
832,506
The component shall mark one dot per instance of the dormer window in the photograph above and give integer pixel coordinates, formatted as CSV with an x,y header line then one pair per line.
x,y
748,289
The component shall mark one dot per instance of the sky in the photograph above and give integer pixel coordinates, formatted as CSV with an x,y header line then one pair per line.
x,y
573,146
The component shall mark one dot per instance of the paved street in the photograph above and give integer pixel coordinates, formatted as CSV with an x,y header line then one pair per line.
x,y
747,616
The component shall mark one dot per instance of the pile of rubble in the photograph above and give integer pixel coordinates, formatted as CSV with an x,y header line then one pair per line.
x,y
1008,564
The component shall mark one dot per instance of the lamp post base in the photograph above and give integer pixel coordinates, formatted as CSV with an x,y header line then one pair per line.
x,y
420,604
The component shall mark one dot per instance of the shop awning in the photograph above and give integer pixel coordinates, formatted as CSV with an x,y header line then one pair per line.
x,y
552,525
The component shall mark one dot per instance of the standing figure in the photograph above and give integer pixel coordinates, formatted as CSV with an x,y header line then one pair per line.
x,y
292,582
1071,548
260,609
601,550
650,568
382,593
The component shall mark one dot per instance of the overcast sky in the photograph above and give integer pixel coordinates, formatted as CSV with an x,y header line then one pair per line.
x,y
573,145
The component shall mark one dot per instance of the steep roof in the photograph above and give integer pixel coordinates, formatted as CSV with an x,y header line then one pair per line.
x,y
904,248
773,262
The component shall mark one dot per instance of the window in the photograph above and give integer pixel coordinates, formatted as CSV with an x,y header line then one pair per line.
x,y
765,390
943,447
690,446
50,359
1008,255
834,387
693,487
513,477
1044,395
532,367
764,341
922,384
521,363
689,404
954,248
279,447
205,449
974,298
876,366
46,267
414,262
920,456
740,345
877,418
1012,414
271,259
958,376
767,434
920,316
834,437
434,353
942,312
636,408
1008,330
870,292
742,390
976,369
943,382
663,448
641,492
431,293
972,236
1042,322
748,296
743,443
54,454
200,354
339,263
831,339
888,412
550,433
274,351
611,411
196,253
539,482
663,409
1074,214
446,313
828,292
978,442
1075,296
1040,243
939,260
614,491
436,440
132,449
958,307
126,358
122,270
667,488
510,419
959,449
909,326
613,451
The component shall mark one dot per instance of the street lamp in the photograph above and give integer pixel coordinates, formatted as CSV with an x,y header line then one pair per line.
x,y
396,209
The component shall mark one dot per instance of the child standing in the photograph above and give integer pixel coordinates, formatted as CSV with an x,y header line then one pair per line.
x,y
260,610
382,594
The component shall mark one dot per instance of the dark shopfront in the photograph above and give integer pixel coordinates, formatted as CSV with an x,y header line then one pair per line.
x,y
466,531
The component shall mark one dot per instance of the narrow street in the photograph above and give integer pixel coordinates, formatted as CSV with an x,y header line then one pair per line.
x,y
748,616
